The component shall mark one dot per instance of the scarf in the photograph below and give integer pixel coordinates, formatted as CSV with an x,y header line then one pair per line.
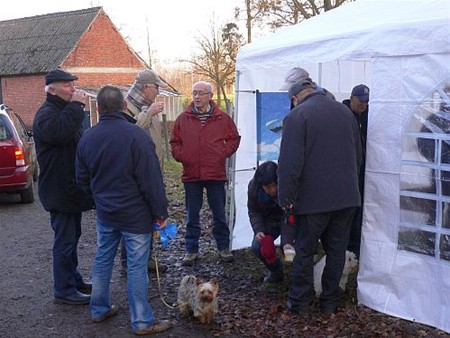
x,y
136,97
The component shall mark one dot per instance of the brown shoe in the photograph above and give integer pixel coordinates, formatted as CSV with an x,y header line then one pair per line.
x,y
158,326
111,313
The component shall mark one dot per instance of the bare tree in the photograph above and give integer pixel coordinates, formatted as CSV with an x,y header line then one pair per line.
x,y
254,11
216,57
279,13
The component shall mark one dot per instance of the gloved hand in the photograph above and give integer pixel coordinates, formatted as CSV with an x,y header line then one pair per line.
x,y
268,249
166,233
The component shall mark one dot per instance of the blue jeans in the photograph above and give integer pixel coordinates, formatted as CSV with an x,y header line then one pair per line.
x,y
333,229
276,267
67,229
123,253
137,245
215,193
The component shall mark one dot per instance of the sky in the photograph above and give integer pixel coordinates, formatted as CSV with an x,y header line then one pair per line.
x,y
172,25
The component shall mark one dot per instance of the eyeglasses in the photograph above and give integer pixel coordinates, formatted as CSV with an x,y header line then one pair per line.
x,y
195,93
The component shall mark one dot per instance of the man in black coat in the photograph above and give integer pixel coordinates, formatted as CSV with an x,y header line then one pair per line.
x,y
320,156
57,129
359,105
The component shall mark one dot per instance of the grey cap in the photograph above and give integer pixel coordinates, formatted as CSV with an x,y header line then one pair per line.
x,y
298,86
294,75
149,76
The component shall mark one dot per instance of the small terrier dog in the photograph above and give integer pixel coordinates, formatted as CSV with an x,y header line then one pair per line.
x,y
351,265
199,298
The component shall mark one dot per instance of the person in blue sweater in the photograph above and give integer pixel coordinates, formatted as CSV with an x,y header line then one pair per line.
x,y
117,164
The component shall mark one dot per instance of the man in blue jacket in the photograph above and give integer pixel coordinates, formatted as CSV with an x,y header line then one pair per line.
x,y
117,163
320,156
57,129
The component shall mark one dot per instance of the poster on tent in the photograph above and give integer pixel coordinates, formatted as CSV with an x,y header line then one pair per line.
x,y
271,108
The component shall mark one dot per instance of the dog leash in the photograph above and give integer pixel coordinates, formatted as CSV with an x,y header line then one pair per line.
x,y
158,279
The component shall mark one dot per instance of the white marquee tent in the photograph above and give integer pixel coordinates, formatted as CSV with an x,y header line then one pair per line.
x,y
401,50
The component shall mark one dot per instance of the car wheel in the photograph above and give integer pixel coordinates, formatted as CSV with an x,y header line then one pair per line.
x,y
27,195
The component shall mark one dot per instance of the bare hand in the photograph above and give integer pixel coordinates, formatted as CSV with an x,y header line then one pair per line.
x,y
79,96
259,235
161,223
155,108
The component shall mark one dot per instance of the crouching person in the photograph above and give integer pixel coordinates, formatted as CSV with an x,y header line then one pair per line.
x,y
267,220
116,162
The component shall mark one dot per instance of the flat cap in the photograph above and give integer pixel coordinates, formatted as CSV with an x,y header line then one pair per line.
x,y
149,76
294,75
298,86
59,75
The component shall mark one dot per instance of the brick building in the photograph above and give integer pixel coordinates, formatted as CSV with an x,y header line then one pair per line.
x,y
83,42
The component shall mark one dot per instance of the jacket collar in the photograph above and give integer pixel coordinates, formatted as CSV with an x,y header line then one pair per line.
x,y
56,100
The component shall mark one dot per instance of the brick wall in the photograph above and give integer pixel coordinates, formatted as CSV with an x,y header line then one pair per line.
x,y
24,95
101,57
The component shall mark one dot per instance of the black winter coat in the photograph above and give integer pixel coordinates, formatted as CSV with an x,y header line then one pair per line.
x,y
262,209
320,157
57,128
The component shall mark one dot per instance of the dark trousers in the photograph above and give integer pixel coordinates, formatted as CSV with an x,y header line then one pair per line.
x,y
354,244
333,229
215,193
67,229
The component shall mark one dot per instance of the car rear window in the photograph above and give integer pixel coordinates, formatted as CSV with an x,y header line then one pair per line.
x,y
5,133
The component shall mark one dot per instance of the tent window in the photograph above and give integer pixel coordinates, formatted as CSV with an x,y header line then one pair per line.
x,y
425,178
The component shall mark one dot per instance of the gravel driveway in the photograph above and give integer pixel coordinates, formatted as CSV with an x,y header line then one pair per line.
x,y
27,308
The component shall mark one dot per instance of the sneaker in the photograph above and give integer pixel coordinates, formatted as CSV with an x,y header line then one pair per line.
x,y
158,326
273,278
226,256
151,265
189,259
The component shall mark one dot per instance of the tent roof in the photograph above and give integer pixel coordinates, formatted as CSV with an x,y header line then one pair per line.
x,y
358,30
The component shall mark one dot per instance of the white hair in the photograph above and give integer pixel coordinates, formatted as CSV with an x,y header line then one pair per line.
x,y
204,83
47,87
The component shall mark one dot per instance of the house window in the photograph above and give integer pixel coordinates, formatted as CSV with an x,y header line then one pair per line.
x,y
425,178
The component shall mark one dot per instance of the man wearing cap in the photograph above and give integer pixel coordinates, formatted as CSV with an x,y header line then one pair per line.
x,y
318,165
297,74
359,105
143,111
57,128
142,107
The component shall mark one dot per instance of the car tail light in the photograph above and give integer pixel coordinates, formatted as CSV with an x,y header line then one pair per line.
x,y
20,158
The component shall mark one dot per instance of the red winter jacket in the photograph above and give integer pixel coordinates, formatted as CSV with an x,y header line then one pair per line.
x,y
203,149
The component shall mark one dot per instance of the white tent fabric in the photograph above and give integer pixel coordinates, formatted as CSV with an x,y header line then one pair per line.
x,y
401,50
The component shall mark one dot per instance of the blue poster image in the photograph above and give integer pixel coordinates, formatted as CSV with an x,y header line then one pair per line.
x,y
271,108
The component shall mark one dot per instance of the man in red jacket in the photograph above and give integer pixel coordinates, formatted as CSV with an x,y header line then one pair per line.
x,y
203,138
